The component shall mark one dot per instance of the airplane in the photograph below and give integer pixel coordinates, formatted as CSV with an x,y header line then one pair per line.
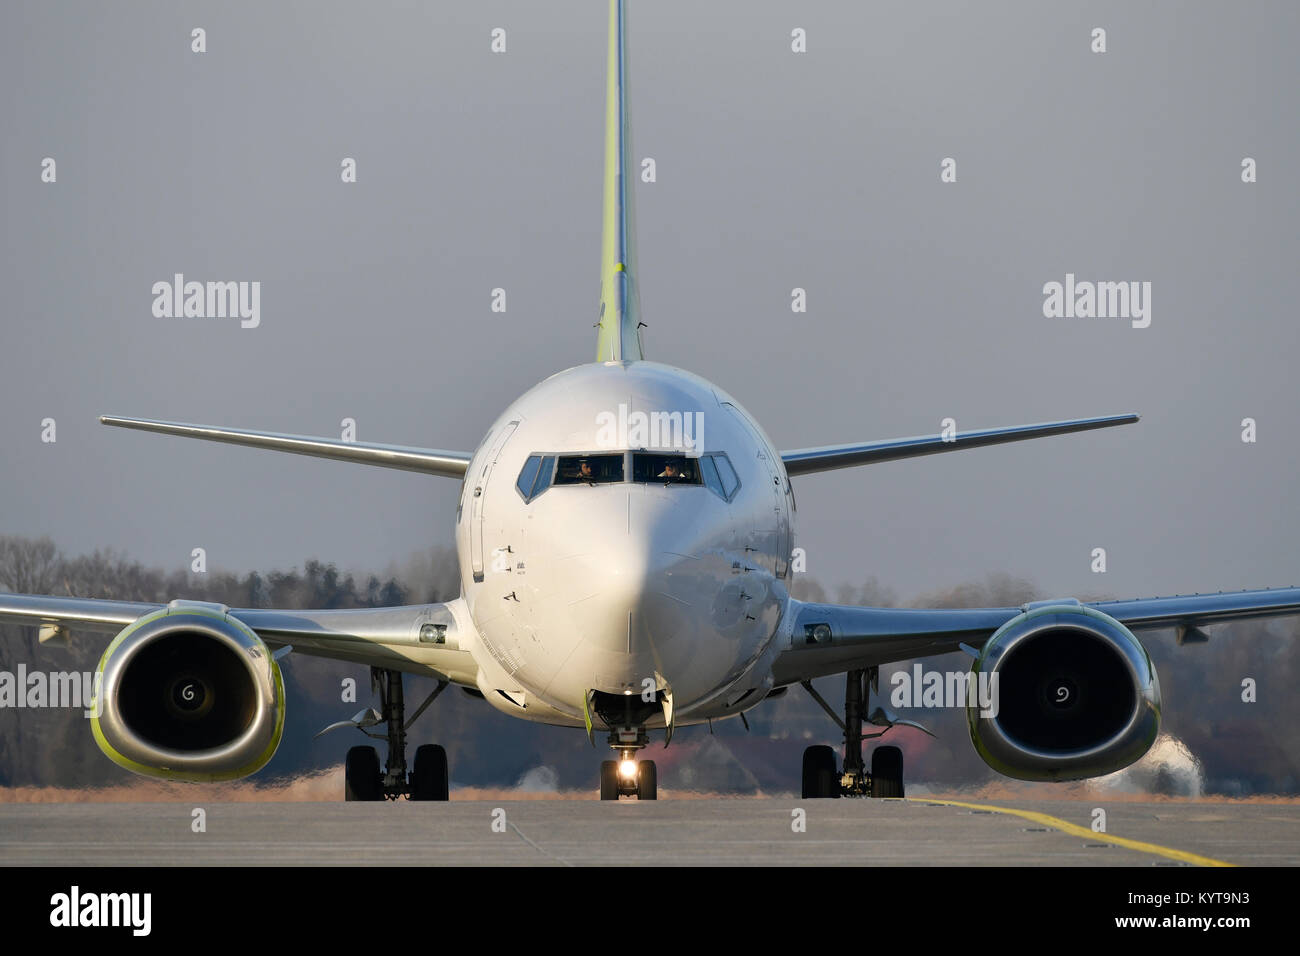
x,y
624,536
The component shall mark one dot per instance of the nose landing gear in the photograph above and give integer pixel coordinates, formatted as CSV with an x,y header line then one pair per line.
x,y
627,776
625,715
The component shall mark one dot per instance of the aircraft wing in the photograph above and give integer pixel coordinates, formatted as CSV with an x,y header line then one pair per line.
x,y
862,637
80,613
807,460
430,461
420,639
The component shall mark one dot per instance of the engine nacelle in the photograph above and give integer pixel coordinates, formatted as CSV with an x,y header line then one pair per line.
x,y
189,693
1076,695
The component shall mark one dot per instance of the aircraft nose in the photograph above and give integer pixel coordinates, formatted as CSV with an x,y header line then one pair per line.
x,y
616,582
628,579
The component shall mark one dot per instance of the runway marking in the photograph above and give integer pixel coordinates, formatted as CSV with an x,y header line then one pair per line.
x,y
539,849
1076,830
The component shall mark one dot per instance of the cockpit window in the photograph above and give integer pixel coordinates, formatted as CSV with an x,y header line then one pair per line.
x,y
535,477
589,469
528,476
544,475
669,469
712,470
728,475
709,472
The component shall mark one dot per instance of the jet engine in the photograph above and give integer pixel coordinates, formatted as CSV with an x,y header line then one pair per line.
x,y
1074,695
188,693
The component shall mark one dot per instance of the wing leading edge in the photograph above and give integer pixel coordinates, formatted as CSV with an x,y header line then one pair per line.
x,y
863,637
858,636
424,639
447,464
827,458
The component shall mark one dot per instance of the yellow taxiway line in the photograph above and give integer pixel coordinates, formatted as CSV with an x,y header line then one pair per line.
x,y
1058,824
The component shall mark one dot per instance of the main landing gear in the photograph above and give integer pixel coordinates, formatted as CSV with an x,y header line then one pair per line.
x,y
363,780
821,779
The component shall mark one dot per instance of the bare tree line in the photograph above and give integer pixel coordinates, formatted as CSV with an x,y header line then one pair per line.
x,y
1244,747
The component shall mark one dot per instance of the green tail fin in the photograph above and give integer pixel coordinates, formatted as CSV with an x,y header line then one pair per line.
x,y
619,339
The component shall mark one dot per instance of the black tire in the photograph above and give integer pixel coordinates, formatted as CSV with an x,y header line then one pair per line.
x,y
887,772
820,776
429,773
361,777
647,780
609,780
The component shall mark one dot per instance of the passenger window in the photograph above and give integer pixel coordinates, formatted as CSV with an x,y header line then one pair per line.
x,y
668,469
728,475
589,469
528,476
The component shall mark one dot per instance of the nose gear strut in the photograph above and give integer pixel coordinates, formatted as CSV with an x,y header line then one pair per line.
x,y
624,715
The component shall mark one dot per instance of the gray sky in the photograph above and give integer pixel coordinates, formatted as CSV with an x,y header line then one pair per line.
x,y
775,170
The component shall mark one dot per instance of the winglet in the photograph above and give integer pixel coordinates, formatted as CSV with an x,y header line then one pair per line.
x,y
619,338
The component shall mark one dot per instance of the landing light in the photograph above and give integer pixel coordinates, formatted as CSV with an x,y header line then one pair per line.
x,y
627,768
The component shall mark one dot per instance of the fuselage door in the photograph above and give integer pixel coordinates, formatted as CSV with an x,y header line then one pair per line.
x,y
775,533
478,493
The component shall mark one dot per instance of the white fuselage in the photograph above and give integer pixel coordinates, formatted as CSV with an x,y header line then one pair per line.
x,y
622,586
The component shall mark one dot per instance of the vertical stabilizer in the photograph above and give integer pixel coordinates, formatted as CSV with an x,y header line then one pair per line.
x,y
619,338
